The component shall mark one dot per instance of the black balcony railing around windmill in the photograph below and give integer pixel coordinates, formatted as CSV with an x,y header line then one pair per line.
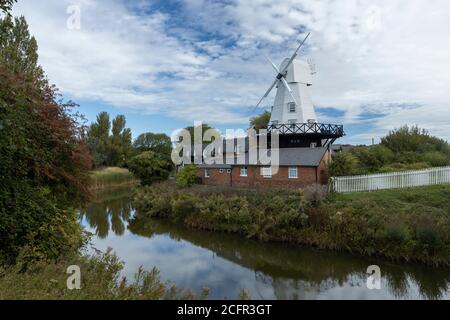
x,y
318,129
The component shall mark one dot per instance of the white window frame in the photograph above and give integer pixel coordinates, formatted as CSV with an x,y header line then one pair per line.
x,y
207,173
291,170
290,105
244,169
228,171
266,172
221,171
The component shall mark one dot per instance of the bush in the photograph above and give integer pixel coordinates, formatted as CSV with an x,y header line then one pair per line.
x,y
100,280
436,159
316,193
187,176
150,167
44,160
396,167
343,164
409,224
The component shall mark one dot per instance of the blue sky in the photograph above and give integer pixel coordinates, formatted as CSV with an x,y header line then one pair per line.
x,y
165,64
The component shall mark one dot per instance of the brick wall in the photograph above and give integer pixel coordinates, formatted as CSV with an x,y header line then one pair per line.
x,y
306,176
215,177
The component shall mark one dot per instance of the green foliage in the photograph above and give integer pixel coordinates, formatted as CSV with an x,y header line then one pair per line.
x,y
110,177
110,145
187,176
18,50
261,121
44,160
370,159
100,280
6,5
406,148
414,139
156,142
343,164
409,224
150,167
436,159
205,127
396,167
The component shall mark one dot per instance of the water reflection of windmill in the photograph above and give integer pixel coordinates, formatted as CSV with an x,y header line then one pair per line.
x,y
293,114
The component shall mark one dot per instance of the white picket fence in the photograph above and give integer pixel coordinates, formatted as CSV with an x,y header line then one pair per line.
x,y
392,180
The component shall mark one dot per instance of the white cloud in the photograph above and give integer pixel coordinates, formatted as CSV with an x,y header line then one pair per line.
x,y
371,56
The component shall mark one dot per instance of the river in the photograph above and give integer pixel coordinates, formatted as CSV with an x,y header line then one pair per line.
x,y
226,264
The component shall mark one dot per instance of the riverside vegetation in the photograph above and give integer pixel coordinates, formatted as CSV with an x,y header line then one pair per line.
x,y
45,164
409,225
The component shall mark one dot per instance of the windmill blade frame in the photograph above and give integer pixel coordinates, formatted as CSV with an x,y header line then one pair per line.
x,y
295,53
267,92
283,80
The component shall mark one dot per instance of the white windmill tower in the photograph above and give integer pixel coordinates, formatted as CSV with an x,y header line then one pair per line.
x,y
293,103
293,115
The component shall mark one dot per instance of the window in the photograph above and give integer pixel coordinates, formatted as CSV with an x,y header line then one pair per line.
x,y
292,173
275,122
206,173
291,107
266,172
244,171
221,170
313,144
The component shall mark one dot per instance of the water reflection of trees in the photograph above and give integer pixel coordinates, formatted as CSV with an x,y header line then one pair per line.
x,y
109,211
302,273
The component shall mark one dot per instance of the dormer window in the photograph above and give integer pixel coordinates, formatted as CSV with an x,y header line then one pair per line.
x,y
291,107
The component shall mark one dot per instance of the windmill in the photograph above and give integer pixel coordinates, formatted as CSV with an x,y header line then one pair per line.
x,y
293,102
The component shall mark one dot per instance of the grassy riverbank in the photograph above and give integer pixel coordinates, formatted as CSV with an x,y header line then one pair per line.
x,y
404,225
111,177
100,280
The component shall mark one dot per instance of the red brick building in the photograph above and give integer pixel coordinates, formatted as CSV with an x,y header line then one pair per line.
x,y
298,168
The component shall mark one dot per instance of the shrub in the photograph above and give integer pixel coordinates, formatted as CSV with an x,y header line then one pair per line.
x,y
150,167
436,159
343,164
187,176
316,193
410,224
395,167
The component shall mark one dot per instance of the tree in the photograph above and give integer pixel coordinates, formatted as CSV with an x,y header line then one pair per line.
x,y
6,5
98,139
343,164
19,50
109,149
205,127
156,142
187,176
414,139
150,167
120,142
44,160
261,121
372,158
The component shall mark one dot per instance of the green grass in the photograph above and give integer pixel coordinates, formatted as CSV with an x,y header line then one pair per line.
x,y
436,197
110,177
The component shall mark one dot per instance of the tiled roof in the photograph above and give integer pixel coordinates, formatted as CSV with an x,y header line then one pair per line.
x,y
306,157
